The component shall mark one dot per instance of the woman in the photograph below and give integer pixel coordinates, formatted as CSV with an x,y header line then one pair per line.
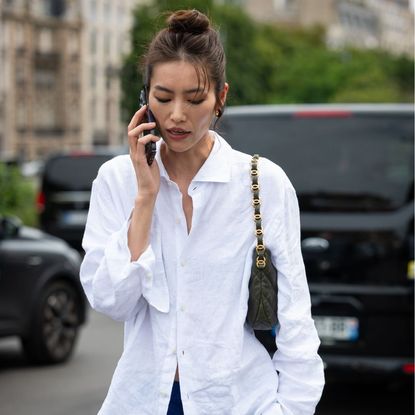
x,y
169,250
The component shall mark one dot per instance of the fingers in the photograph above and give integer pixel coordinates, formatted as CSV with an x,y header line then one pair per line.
x,y
137,131
137,149
137,140
137,118
136,127
146,139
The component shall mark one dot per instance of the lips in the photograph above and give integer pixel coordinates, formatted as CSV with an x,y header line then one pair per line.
x,y
177,133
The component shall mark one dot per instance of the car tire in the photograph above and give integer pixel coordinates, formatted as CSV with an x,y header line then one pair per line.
x,y
54,326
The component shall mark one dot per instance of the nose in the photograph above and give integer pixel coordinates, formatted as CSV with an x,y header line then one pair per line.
x,y
178,112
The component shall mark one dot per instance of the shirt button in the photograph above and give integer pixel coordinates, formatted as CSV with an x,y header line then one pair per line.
x,y
182,263
182,308
177,221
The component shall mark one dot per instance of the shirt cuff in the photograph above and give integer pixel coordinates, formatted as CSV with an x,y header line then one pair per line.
x,y
148,268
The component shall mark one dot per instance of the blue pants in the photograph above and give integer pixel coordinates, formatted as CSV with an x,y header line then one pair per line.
x,y
175,405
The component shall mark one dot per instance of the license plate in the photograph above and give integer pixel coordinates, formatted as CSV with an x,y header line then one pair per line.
x,y
337,328
74,218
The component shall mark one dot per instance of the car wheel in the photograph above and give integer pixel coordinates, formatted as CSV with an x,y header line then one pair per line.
x,y
54,326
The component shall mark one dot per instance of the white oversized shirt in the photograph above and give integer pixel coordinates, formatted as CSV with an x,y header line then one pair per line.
x,y
184,301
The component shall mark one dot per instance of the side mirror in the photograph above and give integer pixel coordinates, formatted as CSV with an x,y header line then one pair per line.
x,y
9,227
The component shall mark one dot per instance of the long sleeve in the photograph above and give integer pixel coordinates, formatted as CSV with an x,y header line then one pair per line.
x,y
301,373
113,284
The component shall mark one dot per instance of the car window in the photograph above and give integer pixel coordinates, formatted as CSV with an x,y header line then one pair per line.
x,y
361,162
73,172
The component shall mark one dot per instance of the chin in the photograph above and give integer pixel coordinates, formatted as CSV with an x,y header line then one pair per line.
x,y
178,147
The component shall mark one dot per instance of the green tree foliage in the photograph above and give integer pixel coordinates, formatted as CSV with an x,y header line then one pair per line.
x,y
17,195
267,64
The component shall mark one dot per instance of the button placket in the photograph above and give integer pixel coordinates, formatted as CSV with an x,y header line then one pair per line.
x,y
177,234
182,268
180,312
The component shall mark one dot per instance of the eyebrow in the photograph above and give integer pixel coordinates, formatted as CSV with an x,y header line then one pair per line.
x,y
187,91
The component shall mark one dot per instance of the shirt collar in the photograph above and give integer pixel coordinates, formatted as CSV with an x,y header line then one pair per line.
x,y
216,168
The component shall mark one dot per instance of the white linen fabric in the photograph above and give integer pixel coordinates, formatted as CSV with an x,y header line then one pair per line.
x,y
184,301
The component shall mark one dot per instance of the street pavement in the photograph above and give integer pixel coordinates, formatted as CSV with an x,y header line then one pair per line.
x,y
79,386
75,388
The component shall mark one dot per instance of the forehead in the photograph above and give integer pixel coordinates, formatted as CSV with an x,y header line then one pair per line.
x,y
179,75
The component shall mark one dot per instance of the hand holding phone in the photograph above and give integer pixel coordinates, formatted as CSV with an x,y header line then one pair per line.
x,y
150,147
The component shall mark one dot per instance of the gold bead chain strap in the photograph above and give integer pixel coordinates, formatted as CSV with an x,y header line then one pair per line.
x,y
259,233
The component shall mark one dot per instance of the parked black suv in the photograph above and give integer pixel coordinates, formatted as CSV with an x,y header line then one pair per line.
x,y
353,170
41,298
63,199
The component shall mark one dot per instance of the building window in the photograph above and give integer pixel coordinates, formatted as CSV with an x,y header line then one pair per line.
x,y
93,9
46,98
20,36
56,7
93,42
74,113
120,14
75,78
20,74
93,110
14,4
93,76
108,11
21,114
119,45
107,44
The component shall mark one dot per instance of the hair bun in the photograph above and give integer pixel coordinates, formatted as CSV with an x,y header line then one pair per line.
x,y
188,21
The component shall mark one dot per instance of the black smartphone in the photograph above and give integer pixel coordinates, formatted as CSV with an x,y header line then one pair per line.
x,y
150,148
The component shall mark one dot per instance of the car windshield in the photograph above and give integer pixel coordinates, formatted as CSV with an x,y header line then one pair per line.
x,y
361,162
73,172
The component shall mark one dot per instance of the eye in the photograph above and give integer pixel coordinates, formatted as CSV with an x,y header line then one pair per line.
x,y
196,101
162,100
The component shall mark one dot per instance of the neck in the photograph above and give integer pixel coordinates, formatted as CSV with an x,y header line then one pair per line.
x,y
184,166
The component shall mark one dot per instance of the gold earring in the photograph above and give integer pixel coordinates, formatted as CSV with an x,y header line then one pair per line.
x,y
218,113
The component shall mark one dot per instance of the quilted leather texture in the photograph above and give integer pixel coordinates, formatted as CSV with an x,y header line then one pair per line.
x,y
263,299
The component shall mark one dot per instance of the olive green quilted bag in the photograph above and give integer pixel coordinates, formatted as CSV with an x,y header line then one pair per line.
x,y
263,288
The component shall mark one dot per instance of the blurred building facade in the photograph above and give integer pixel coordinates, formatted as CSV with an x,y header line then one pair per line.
x,y
387,24
59,74
40,89
396,20
105,41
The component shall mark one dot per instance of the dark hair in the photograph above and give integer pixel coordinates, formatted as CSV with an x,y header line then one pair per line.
x,y
189,36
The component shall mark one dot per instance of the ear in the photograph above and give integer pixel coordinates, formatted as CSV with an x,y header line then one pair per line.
x,y
223,94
